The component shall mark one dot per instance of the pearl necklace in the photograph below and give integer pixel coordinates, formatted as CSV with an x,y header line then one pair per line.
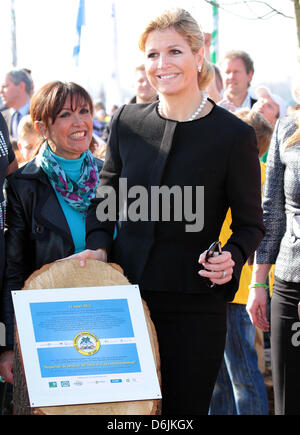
x,y
199,109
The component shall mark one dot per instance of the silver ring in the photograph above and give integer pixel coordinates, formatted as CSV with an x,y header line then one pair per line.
x,y
223,274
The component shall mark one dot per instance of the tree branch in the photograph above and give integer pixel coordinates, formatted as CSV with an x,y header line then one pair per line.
x,y
272,11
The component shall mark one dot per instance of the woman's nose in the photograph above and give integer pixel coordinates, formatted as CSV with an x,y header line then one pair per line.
x,y
76,118
162,61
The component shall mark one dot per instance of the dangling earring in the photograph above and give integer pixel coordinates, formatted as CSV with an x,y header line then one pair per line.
x,y
199,68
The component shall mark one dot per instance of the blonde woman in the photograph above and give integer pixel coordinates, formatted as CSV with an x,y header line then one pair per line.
x,y
281,246
206,155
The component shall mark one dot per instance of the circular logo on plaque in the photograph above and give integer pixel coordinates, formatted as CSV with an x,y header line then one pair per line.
x,y
86,343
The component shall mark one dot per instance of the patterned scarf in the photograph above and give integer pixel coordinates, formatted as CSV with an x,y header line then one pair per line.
x,y
77,194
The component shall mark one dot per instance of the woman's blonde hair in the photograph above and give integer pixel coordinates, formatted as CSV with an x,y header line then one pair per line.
x,y
295,137
189,29
26,127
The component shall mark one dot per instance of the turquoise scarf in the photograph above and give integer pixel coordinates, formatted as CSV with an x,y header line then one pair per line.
x,y
77,194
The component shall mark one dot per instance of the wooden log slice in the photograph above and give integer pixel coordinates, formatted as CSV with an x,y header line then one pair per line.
x,y
68,274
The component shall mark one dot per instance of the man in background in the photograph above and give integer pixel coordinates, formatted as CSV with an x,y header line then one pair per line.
x,y
237,71
15,92
144,93
270,105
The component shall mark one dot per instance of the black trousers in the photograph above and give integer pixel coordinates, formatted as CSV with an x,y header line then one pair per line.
x,y
191,332
285,347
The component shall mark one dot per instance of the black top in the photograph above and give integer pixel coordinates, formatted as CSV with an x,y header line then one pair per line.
x,y
218,152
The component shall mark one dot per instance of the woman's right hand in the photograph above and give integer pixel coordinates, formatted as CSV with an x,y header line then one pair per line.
x,y
99,254
257,308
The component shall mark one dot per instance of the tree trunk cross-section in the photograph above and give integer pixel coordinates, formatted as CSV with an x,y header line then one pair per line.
x,y
68,274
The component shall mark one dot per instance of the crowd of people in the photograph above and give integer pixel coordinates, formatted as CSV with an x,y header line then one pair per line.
x,y
189,123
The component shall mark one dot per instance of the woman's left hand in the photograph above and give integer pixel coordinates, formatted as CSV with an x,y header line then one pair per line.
x,y
218,269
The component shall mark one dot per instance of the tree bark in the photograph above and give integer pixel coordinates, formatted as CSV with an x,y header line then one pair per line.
x,y
20,393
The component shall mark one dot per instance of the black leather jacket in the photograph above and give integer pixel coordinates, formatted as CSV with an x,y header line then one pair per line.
x,y
36,230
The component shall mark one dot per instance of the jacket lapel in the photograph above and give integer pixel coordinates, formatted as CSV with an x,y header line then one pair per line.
x,y
163,153
49,211
51,215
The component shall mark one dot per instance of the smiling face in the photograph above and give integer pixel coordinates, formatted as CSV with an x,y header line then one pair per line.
x,y
71,133
171,66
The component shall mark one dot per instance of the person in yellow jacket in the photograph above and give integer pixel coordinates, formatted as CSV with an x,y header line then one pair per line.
x,y
240,387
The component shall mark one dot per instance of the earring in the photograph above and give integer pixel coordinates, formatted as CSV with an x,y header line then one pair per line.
x,y
199,68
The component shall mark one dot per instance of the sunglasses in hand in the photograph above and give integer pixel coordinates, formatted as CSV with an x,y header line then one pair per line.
x,y
215,247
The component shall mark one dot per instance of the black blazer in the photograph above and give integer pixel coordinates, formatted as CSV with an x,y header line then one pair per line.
x,y
219,153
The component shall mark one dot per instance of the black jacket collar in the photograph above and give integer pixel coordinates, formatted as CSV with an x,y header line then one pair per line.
x,y
33,170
